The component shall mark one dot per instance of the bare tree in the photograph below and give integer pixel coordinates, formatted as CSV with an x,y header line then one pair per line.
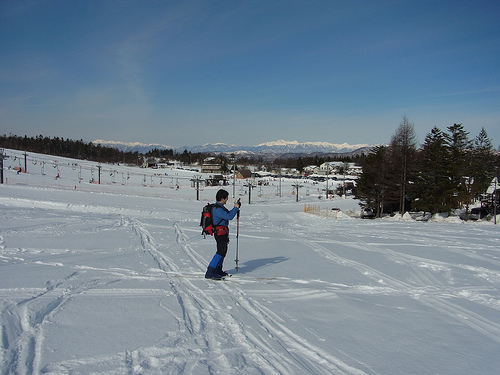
x,y
403,153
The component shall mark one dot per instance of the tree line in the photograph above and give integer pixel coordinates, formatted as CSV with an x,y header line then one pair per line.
x,y
89,151
96,152
448,171
68,148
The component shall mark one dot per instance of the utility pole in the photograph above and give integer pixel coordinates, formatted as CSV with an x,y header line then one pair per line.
x,y
25,162
495,197
280,180
99,173
495,201
197,183
2,157
297,185
327,175
233,160
250,185
346,168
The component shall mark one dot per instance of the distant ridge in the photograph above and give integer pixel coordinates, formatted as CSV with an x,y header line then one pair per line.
x,y
268,149
132,146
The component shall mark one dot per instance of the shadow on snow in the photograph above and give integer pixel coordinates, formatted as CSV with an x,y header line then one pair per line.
x,y
252,265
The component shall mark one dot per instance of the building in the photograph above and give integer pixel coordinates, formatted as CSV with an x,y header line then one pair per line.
x,y
244,173
211,168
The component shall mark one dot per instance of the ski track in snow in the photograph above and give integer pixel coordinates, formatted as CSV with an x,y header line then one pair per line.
x,y
420,287
224,327
22,329
207,328
201,312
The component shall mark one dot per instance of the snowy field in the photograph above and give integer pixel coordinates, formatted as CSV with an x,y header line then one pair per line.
x,y
108,279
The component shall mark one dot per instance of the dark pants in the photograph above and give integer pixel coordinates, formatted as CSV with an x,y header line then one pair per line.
x,y
215,267
222,242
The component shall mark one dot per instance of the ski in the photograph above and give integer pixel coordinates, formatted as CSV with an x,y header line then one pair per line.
x,y
223,278
201,276
229,278
216,278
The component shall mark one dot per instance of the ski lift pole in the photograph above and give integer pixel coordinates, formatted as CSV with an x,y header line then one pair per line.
x,y
237,238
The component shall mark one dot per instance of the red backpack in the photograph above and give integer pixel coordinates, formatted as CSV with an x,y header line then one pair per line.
x,y
206,222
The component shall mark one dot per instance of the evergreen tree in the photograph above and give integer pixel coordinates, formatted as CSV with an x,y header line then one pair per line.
x,y
300,165
432,182
459,147
483,163
224,167
372,184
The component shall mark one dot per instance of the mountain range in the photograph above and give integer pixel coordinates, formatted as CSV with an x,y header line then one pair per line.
x,y
280,148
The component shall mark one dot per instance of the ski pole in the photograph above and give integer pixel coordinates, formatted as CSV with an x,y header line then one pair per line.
x,y
237,238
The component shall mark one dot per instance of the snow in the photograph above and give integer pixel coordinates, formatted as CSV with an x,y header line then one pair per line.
x,y
108,279
293,144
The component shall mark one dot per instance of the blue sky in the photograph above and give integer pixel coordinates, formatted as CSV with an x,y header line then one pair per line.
x,y
245,72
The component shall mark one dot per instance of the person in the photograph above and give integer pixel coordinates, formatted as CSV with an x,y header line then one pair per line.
x,y
220,218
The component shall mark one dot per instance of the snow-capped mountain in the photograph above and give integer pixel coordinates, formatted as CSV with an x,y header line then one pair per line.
x,y
283,146
276,147
132,146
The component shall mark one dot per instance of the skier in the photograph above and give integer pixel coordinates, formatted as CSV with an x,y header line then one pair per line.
x,y
220,217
